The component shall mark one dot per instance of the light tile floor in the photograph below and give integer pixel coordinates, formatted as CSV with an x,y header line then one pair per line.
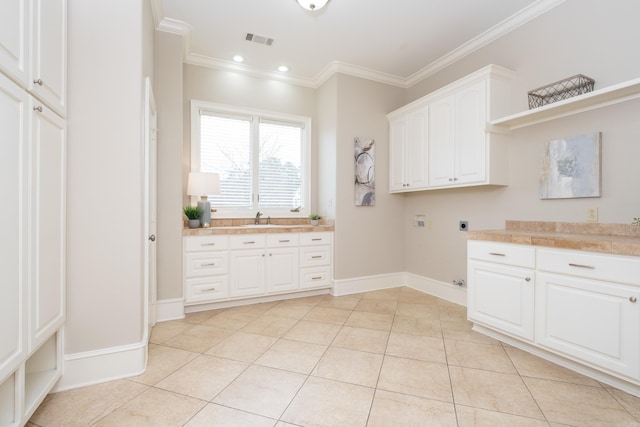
x,y
395,357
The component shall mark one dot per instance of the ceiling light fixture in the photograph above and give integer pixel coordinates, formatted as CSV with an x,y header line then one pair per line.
x,y
238,58
312,5
283,68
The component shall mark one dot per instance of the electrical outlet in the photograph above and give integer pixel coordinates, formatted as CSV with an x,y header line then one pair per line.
x,y
592,214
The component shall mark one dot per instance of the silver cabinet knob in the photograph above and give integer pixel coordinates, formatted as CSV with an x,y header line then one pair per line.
x,y
633,299
528,279
152,238
38,109
38,82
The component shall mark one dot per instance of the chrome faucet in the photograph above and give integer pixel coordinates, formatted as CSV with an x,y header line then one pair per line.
x,y
258,215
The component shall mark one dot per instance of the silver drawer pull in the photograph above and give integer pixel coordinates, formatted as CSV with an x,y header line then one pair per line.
x,y
284,241
496,254
209,290
633,299
316,240
316,256
249,243
590,267
316,278
207,244
210,264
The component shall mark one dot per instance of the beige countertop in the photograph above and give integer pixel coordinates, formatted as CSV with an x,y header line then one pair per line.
x,y
619,239
244,226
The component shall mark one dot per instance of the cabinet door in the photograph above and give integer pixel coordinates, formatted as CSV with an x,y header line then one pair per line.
x,y
417,151
397,154
49,53
247,272
592,321
14,39
441,143
13,224
502,297
282,269
48,167
470,122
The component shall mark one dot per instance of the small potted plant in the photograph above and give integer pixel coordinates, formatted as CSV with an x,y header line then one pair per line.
x,y
314,218
193,214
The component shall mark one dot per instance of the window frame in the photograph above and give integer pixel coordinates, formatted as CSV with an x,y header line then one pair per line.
x,y
250,212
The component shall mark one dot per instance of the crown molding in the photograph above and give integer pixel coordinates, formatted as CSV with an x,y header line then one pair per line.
x,y
494,33
499,30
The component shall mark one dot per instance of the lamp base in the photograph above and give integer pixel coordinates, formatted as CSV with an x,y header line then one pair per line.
x,y
205,216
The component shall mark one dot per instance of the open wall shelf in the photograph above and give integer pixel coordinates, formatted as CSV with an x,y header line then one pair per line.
x,y
589,101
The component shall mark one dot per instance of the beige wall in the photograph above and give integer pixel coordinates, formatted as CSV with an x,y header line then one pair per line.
x,y
589,37
368,239
104,191
168,93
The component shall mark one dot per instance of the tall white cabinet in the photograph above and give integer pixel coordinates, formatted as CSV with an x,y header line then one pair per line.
x,y
32,189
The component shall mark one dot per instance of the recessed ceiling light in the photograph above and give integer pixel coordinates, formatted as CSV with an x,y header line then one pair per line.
x,y
238,58
283,68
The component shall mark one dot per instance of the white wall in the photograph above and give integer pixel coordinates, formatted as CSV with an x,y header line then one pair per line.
x,y
595,38
325,149
104,196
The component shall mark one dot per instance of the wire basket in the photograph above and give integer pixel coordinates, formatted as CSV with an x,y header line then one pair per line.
x,y
563,89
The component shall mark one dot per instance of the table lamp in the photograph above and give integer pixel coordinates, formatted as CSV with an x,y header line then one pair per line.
x,y
204,184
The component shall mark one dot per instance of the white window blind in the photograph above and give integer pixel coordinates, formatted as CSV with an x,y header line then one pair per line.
x,y
280,172
225,148
262,160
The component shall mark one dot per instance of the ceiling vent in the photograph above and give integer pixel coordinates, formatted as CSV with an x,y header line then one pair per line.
x,y
259,39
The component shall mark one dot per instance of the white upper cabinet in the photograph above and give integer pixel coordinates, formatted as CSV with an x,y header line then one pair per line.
x,y
408,151
453,147
49,54
14,39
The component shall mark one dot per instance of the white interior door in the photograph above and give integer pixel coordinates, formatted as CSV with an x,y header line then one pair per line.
x,y
150,208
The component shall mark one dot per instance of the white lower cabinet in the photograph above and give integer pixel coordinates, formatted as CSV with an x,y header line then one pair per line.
x,y
254,265
584,307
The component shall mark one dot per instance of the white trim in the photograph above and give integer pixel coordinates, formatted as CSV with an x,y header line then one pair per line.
x,y
494,33
499,30
99,366
367,284
578,367
246,301
169,309
442,290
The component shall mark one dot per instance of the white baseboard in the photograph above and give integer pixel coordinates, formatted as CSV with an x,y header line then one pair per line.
x,y
169,309
367,284
443,290
94,367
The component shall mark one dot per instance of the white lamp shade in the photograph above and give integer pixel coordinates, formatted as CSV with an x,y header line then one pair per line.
x,y
312,4
203,183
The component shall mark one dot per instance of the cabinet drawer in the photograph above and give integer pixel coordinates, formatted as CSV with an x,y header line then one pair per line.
x,y
614,268
502,253
248,241
315,277
315,256
282,240
307,239
207,289
205,243
206,264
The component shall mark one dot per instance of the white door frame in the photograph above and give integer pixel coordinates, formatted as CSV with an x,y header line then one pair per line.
x,y
150,208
